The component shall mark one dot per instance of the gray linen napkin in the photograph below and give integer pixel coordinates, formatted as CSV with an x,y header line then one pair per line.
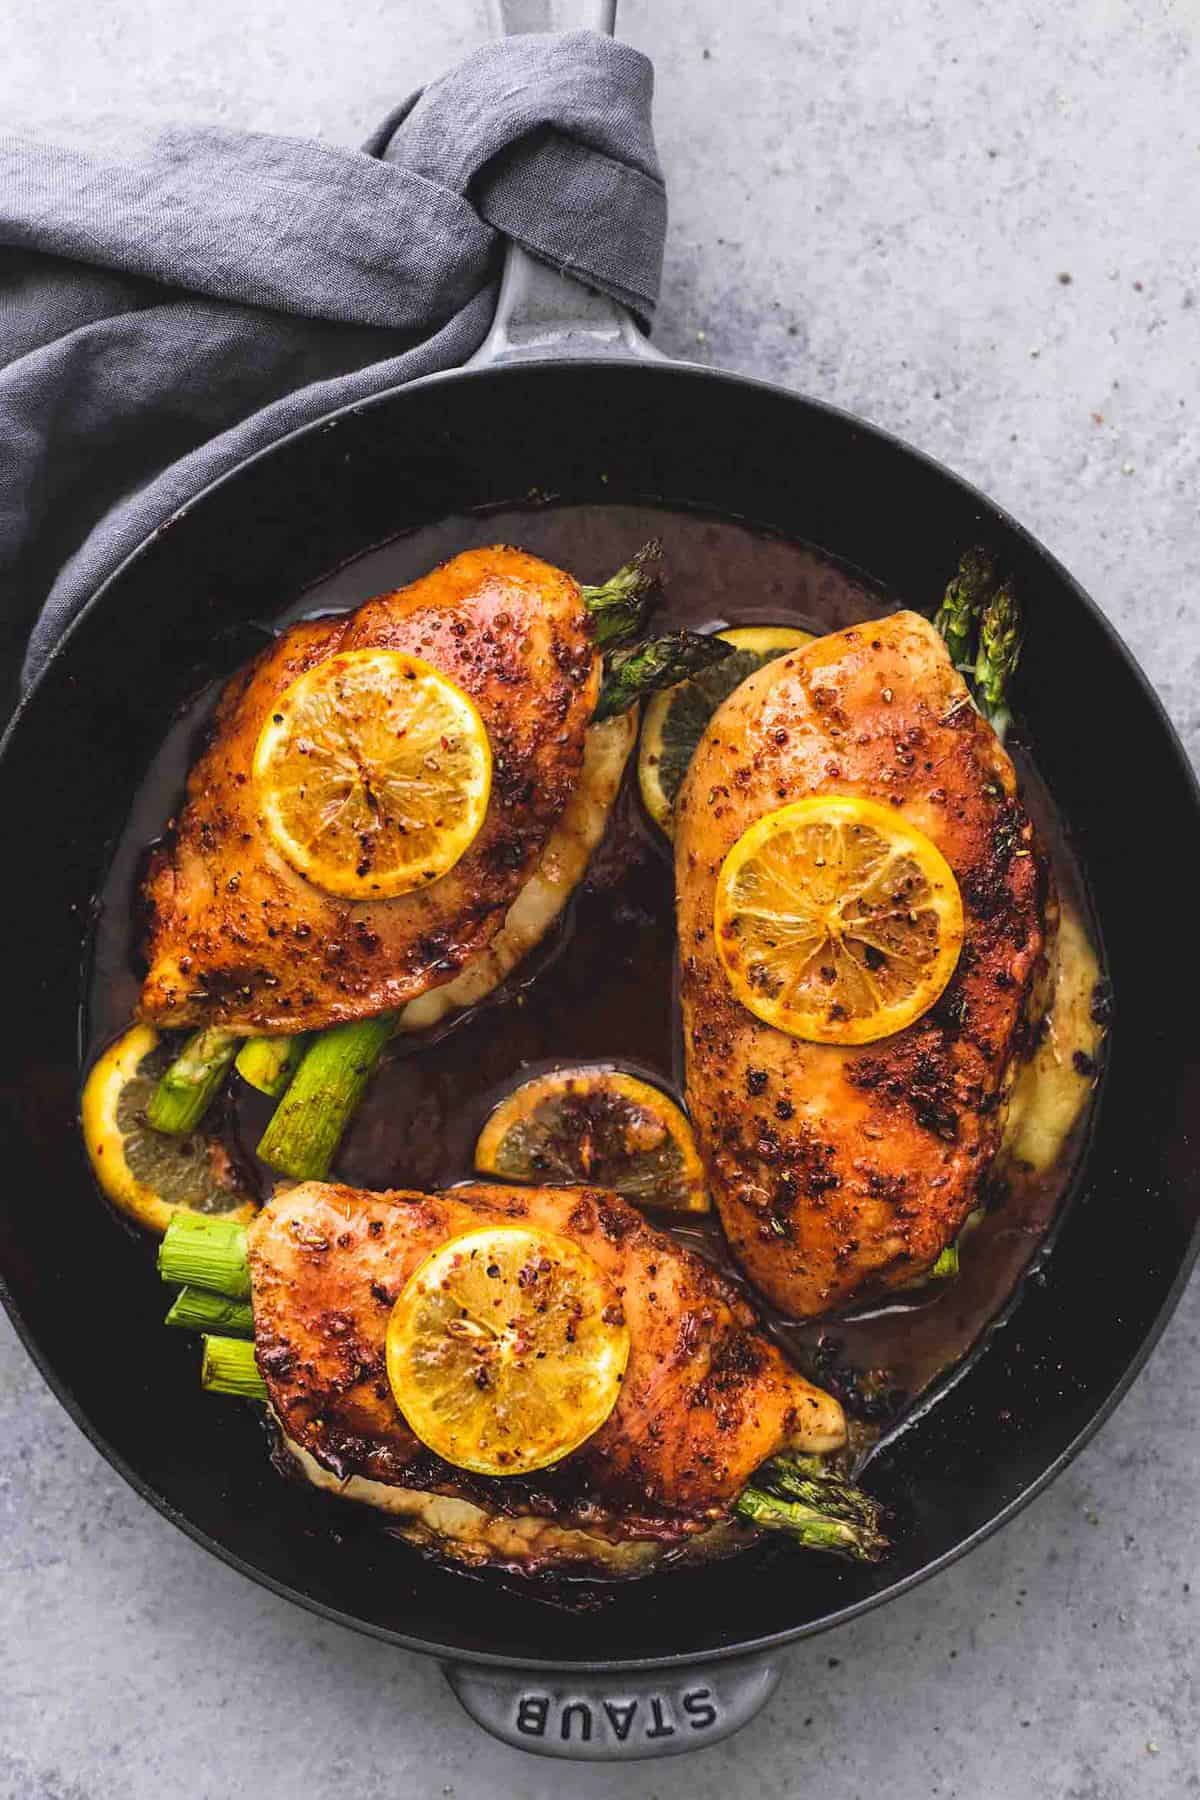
x,y
163,317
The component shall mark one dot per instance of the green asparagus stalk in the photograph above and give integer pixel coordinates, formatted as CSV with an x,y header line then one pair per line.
x,y
946,1266
307,1125
981,626
268,1063
195,1309
1000,638
944,1269
618,605
800,1495
629,675
227,1366
189,1086
794,1476
957,618
205,1253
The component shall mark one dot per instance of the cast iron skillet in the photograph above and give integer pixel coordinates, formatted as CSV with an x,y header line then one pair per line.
x,y
612,424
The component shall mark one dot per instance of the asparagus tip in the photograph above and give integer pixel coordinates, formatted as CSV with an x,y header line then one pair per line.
x,y
802,1497
980,622
190,1085
946,1265
1001,635
630,675
957,618
618,605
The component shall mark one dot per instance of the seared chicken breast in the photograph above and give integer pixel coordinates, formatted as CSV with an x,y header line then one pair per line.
x,y
239,939
705,1400
843,1172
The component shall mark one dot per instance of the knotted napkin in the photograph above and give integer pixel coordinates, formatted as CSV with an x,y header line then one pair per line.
x,y
166,314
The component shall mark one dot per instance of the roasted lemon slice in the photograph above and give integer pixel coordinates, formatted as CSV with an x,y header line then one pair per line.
x,y
836,920
505,1350
600,1127
146,1173
373,773
675,720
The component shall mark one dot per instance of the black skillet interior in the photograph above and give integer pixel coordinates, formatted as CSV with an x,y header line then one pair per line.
x,y
83,1290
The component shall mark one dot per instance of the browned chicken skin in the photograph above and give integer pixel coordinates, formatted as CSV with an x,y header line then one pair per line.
x,y
706,1398
239,939
841,1173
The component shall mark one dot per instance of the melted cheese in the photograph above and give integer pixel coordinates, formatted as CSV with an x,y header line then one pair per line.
x,y
472,1534
1052,1089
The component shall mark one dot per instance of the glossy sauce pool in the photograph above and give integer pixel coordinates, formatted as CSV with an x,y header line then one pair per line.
x,y
602,988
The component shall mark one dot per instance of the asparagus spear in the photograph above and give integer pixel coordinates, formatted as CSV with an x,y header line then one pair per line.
x,y
199,1252
1000,638
801,1496
946,1265
307,1125
227,1366
957,618
190,1085
194,1309
268,1063
981,625
629,675
618,605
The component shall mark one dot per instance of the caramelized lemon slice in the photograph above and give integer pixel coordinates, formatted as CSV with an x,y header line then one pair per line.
x,y
373,774
599,1127
675,720
148,1174
836,920
505,1350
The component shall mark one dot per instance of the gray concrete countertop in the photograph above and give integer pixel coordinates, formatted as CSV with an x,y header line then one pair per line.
x,y
976,225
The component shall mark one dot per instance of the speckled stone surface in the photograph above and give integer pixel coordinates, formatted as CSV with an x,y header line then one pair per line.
x,y
978,226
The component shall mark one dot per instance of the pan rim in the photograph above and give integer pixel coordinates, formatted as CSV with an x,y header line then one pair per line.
x,y
761,1645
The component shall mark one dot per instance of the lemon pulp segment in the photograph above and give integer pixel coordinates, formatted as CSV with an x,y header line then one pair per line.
x,y
149,1174
506,1349
373,774
836,920
597,1126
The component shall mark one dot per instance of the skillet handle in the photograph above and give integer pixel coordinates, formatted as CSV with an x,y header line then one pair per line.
x,y
513,18
615,1718
542,313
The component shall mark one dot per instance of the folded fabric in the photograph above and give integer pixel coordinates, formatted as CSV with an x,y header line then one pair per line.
x,y
165,315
